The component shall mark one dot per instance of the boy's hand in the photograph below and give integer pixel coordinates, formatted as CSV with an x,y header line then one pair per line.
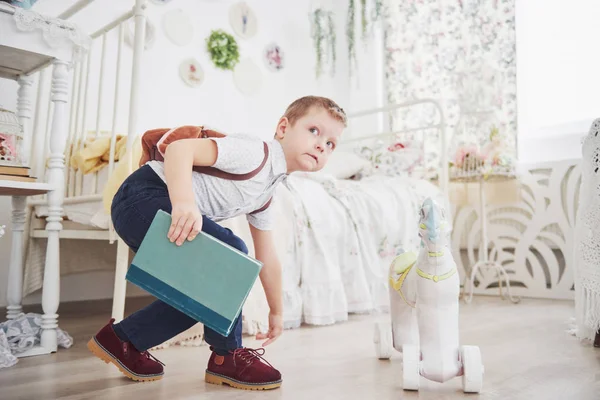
x,y
186,222
275,329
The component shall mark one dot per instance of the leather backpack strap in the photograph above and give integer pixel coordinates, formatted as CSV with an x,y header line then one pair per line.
x,y
264,207
154,154
148,141
155,141
207,133
234,177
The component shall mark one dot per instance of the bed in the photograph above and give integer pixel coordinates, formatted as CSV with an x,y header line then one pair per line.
x,y
336,240
337,230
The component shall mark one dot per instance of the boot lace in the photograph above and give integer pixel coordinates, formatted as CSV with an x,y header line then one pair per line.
x,y
151,357
248,355
142,353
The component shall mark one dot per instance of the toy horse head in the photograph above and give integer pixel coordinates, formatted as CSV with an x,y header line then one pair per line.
x,y
433,226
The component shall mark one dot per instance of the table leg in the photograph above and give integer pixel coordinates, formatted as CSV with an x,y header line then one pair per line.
x,y
15,270
56,165
484,261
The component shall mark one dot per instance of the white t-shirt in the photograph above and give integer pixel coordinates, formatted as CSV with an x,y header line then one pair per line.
x,y
220,199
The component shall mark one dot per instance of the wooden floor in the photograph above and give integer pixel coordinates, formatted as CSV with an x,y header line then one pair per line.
x,y
527,355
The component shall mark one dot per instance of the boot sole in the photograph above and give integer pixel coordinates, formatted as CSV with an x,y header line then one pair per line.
x,y
215,379
105,356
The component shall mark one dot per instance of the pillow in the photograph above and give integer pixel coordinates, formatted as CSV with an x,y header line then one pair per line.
x,y
398,159
343,164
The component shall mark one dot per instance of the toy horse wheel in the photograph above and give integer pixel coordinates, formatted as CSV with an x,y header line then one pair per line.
x,y
383,340
410,367
472,379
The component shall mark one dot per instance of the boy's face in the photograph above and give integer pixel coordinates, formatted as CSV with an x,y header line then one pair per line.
x,y
310,141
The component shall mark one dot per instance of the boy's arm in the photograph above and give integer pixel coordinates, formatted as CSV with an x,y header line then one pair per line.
x,y
180,157
270,276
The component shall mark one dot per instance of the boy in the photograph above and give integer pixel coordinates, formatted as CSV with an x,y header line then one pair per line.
x,y
305,137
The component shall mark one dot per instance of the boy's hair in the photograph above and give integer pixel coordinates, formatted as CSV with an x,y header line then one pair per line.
x,y
300,107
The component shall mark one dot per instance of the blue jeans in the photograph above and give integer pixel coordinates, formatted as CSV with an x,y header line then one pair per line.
x,y
134,206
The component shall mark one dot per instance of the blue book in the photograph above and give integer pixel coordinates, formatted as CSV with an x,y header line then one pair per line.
x,y
203,278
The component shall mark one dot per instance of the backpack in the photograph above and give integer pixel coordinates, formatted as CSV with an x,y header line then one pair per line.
x,y
155,142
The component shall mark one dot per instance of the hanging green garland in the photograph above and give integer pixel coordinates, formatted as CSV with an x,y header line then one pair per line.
x,y
363,19
350,24
323,32
378,10
323,35
331,42
223,49
318,36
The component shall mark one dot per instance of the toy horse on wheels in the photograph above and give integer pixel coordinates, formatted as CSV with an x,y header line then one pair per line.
x,y
424,296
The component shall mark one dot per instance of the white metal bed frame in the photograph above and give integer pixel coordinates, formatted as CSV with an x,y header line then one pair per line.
x,y
77,130
443,177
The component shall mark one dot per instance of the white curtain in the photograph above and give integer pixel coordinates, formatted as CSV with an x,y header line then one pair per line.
x,y
459,52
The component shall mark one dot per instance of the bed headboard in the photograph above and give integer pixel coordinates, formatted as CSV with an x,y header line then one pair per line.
x,y
371,127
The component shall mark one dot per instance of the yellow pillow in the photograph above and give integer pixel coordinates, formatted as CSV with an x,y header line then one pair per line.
x,y
123,169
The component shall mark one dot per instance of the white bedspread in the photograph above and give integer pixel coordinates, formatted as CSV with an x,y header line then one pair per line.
x,y
336,239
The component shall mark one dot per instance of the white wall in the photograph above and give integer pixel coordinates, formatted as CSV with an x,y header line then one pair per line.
x,y
557,76
167,101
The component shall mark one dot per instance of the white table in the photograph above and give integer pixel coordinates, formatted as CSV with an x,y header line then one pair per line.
x,y
29,43
19,192
484,261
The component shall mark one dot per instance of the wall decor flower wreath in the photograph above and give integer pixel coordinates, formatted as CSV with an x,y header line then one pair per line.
x,y
223,49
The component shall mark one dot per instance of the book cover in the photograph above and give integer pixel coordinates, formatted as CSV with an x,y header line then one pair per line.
x,y
18,178
14,170
203,278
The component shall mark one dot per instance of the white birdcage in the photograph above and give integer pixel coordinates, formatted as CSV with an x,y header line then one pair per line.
x,y
11,138
467,159
479,148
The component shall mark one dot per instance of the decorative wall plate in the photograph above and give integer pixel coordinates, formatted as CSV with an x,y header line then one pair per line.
x,y
191,72
243,20
150,35
178,27
247,77
274,57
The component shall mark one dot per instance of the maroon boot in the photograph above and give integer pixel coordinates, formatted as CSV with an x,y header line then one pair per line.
x,y
136,365
242,368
